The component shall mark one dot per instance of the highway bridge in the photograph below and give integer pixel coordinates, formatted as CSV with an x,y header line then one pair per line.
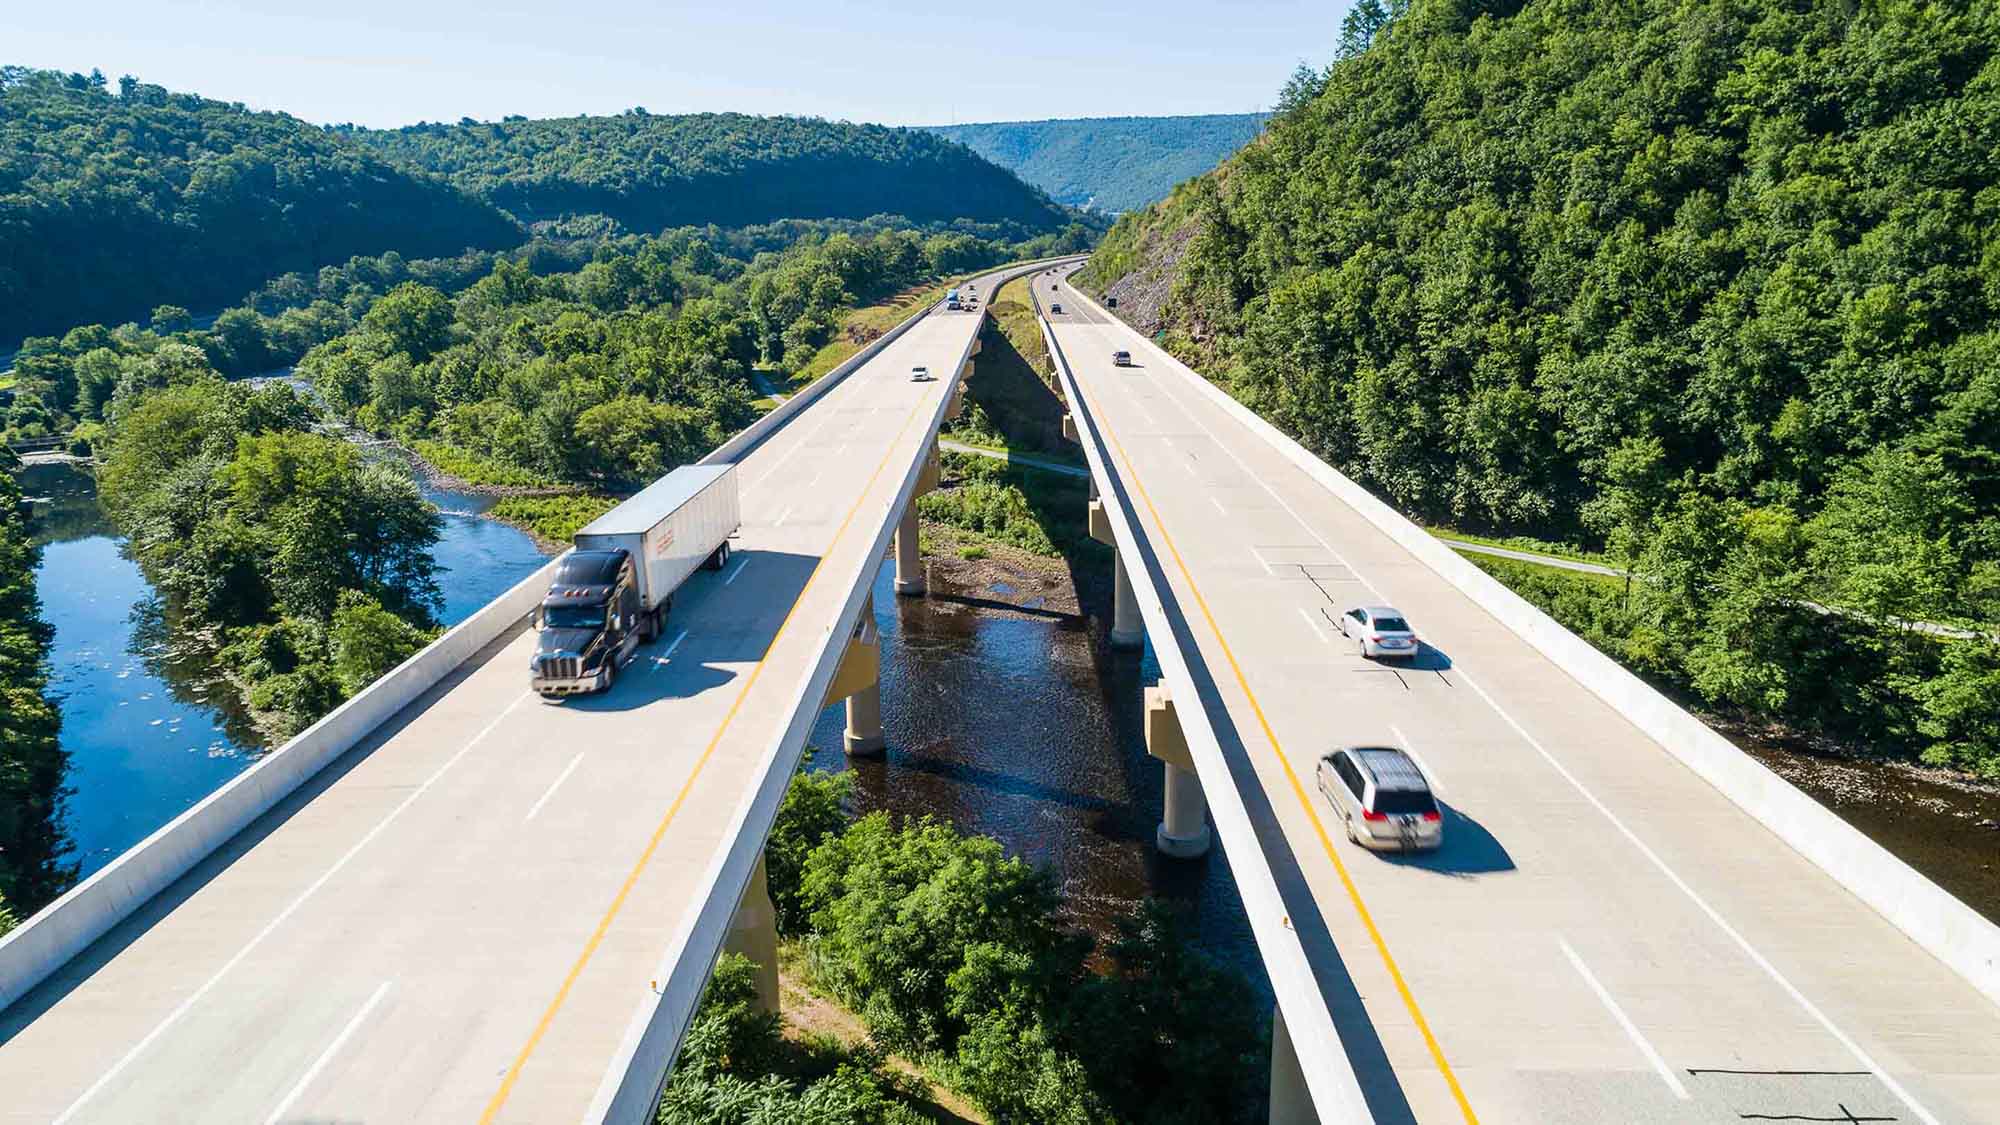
x,y
1606,936
491,908
452,902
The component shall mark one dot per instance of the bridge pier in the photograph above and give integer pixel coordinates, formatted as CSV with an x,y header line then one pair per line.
x,y
1183,831
1291,1099
858,680
910,580
1128,630
754,934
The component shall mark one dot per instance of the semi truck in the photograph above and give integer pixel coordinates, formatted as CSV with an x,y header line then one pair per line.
x,y
613,592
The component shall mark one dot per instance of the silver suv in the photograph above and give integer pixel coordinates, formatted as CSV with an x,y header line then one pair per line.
x,y
1382,797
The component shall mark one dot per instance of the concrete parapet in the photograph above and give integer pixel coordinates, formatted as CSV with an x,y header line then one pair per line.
x,y
1183,831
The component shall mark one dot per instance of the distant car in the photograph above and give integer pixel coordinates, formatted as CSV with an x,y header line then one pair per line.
x,y
1121,359
1382,797
1052,287
920,374
1055,308
1110,302
1379,630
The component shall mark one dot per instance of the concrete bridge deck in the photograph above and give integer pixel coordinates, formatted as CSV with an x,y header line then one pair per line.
x,y
1604,937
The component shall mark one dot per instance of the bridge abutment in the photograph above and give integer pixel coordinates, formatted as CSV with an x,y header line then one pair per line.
x,y
754,934
1183,831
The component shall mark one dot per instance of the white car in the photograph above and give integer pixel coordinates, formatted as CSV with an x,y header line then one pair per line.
x,y
1382,798
920,374
1379,630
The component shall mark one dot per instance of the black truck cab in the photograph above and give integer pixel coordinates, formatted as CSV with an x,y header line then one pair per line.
x,y
590,623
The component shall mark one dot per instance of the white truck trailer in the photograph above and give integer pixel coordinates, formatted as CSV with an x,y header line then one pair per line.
x,y
613,592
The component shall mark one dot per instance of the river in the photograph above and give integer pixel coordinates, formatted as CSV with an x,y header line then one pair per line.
x,y
148,727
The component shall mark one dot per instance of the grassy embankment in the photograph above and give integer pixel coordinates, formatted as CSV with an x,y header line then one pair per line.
x,y
864,325
983,505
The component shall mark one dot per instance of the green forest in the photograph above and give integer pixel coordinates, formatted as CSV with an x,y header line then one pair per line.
x,y
648,172
119,198
1710,285
1108,164
956,954
113,201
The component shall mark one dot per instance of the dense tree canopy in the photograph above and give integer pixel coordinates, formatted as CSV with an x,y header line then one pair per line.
x,y
650,172
1712,283
114,202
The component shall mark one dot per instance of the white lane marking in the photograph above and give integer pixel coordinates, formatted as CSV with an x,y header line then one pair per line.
x,y
1742,943
271,927
782,517
660,661
1631,1029
1430,775
1218,505
553,786
737,571
326,1056
1314,626
790,453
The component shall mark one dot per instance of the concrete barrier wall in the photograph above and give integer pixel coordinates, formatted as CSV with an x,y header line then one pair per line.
x,y
65,927
1952,931
632,1083
1323,1057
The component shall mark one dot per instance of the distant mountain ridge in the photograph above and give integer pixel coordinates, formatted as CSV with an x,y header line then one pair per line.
x,y
650,172
1108,163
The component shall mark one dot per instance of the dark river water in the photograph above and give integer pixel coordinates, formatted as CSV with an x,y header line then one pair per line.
x,y
1021,728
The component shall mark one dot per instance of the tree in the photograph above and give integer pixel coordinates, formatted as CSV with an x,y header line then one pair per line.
x,y
1358,29
415,319
810,815
168,319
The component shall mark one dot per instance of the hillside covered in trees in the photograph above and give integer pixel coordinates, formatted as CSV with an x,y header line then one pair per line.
x,y
113,201
650,172
1108,164
1713,285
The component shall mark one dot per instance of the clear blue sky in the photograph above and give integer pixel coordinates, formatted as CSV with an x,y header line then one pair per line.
x,y
392,62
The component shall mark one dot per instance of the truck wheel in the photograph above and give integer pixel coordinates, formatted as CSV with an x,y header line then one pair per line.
x,y
719,558
610,670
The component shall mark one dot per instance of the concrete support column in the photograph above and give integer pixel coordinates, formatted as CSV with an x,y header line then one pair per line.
x,y
864,722
858,680
754,934
909,561
1183,831
1291,1099
1127,629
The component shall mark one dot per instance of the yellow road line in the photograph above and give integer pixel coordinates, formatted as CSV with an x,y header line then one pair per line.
x,y
659,833
1298,789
